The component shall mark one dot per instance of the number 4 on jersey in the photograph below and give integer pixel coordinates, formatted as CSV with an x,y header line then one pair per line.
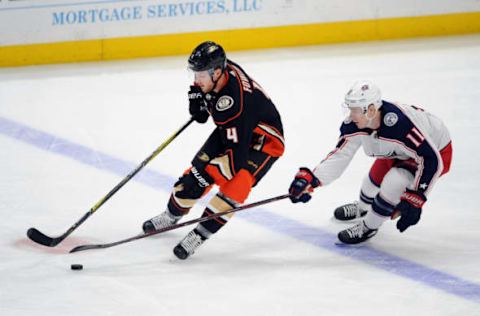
x,y
232,134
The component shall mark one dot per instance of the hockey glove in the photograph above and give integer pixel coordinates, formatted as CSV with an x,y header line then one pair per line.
x,y
194,184
410,209
303,185
197,106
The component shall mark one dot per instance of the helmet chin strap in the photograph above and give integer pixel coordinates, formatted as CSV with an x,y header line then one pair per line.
x,y
215,81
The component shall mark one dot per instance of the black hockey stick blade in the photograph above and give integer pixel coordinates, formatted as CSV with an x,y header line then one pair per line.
x,y
40,238
193,221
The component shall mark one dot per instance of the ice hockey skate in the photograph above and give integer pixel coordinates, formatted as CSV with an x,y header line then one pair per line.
x,y
188,245
356,234
163,220
349,212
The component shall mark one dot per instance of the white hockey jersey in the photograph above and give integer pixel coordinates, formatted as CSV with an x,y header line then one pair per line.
x,y
406,132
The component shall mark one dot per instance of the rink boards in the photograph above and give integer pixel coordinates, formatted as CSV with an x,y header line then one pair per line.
x,y
76,31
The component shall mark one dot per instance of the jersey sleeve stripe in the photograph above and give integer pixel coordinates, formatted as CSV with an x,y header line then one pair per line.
x,y
272,131
346,138
420,136
420,163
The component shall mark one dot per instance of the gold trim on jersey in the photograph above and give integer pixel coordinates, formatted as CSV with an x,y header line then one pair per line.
x,y
270,130
217,205
223,164
183,203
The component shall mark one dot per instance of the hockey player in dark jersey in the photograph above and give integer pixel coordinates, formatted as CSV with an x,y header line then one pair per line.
x,y
247,140
412,149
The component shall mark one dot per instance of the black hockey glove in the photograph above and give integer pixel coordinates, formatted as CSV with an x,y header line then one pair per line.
x,y
197,106
410,209
194,184
303,185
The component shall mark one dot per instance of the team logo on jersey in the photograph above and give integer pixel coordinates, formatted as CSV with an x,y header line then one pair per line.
x,y
390,119
224,103
203,157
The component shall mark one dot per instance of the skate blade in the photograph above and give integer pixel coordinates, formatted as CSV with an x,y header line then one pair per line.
x,y
342,245
350,221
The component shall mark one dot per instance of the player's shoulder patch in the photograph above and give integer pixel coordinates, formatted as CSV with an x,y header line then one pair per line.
x,y
394,116
390,119
224,103
395,124
227,107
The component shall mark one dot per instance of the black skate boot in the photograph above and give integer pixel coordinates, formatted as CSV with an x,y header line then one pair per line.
x,y
161,221
349,212
356,234
188,245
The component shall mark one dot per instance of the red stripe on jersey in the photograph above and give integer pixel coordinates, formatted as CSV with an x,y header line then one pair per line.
x,y
217,219
262,165
446,154
346,137
272,144
418,159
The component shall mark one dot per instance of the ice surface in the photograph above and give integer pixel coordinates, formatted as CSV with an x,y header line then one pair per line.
x,y
70,133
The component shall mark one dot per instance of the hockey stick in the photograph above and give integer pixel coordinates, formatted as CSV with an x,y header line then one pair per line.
x,y
166,229
40,238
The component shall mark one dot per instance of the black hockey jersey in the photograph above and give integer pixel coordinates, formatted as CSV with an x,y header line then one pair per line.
x,y
246,120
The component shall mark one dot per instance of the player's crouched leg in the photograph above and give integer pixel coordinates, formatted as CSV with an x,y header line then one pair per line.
x,y
187,190
358,209
392,187
231,195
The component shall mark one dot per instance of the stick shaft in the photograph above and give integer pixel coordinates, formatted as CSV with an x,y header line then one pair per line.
x,y
139,167
38,237
176,226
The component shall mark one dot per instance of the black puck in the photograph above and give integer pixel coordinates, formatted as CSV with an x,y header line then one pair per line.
x,y
76,267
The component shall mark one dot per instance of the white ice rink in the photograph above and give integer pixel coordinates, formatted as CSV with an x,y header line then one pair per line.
x,y
70,133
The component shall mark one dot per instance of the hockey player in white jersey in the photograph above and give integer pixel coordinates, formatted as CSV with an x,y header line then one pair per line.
x,y
412,149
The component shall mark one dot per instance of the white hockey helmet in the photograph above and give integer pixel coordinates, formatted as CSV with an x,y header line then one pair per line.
x,y
362,94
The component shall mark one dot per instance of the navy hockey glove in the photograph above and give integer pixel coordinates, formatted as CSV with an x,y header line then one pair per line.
x,y
303,185
194,184
410,209
197,106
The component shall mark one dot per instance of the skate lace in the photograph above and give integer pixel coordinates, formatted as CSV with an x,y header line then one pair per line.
x,y
351,210
162,221
191,242
356,231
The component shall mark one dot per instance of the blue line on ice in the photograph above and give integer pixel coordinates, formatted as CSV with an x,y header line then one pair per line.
x,y
312,235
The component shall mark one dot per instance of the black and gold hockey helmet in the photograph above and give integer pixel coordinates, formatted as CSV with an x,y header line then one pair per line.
x,y
207,56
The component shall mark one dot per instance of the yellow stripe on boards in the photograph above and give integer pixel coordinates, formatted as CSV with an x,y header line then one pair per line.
x,y
240,39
